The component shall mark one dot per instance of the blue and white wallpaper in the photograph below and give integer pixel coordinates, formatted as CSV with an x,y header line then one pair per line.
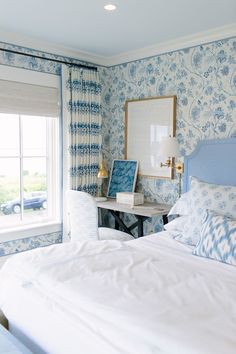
x,y
204,80
30,63
29,243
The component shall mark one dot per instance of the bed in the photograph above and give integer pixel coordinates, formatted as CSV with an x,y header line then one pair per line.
x,y
146,296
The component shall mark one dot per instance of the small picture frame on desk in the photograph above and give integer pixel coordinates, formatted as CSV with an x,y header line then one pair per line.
x,y
123,177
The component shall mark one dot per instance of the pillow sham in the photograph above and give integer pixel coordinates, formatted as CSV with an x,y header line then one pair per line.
x,y
218,198
181,207
218,238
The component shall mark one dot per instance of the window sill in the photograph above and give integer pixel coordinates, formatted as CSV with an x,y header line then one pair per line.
x,y
29,231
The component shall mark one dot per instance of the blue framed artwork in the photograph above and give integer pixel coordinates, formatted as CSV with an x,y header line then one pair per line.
x,y
123,177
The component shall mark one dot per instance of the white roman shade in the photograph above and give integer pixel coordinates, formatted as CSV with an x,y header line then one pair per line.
x,y
23,98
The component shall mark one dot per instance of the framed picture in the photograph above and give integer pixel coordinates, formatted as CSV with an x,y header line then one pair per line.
x,y
147,121
123,177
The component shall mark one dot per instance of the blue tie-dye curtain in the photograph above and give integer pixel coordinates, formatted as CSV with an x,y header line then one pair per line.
x,y
83,123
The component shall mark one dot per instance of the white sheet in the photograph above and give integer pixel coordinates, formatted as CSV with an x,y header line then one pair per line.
x,y
144,296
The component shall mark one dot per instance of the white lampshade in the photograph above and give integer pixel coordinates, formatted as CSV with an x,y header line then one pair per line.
x,y
169,147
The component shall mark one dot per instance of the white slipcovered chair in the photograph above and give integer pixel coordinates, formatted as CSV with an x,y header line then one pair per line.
x,y
83,220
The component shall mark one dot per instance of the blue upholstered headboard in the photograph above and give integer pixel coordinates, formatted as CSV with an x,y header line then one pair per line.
x,y
213,161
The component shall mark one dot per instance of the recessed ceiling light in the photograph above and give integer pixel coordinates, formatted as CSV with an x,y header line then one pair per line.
x,y
110,7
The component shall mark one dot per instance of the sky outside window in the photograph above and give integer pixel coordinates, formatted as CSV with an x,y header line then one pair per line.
x,y
34,141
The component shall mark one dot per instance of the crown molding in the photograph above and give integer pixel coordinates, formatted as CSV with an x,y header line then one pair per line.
x,y
173,45
146,52
50,48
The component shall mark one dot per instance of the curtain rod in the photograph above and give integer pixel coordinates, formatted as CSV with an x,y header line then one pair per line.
x,y
45,58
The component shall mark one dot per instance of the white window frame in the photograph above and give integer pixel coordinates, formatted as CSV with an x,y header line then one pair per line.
x,y
54,224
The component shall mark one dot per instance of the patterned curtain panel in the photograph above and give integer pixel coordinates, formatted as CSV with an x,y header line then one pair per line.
x,y
82,120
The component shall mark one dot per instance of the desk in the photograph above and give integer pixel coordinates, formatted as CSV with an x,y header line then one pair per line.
x,y
141,213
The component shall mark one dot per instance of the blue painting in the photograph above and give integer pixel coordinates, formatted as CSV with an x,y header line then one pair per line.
x,y
123,177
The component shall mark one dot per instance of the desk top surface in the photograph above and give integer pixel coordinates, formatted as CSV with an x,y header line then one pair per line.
x,y
147,209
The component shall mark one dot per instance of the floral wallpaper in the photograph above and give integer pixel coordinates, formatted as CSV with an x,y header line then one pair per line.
x,y
30,63
204,80
29,243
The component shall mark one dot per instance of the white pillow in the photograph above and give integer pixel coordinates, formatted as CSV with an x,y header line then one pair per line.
x,y
175,227
218,239
191,229
218,198
181,207
105,233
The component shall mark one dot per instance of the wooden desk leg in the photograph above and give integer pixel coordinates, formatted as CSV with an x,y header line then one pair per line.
x,y
165,219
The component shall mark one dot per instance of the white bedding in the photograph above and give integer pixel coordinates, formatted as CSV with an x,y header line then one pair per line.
x,y
149,295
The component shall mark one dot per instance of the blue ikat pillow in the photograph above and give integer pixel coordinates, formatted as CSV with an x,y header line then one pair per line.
x,y
218,239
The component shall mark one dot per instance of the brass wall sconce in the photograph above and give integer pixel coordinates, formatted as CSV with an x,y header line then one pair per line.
x,y
179,167
169,148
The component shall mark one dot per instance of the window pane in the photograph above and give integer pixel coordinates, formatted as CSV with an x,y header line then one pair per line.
x,y
34,135
9,135
38,167
35,189
9,192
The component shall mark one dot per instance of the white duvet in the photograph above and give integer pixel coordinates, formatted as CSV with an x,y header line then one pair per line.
x,y
149,295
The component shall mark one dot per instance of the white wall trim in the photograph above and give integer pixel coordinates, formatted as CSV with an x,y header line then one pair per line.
x,y
48,47
173,45
29,231
157,49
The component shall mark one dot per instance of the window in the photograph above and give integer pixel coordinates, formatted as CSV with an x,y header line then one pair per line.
x,y
29,156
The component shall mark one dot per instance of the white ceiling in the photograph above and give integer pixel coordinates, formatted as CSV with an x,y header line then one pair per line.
x,y
84,26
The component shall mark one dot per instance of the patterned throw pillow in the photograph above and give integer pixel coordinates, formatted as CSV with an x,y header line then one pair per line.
x,y
218,239
218,198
